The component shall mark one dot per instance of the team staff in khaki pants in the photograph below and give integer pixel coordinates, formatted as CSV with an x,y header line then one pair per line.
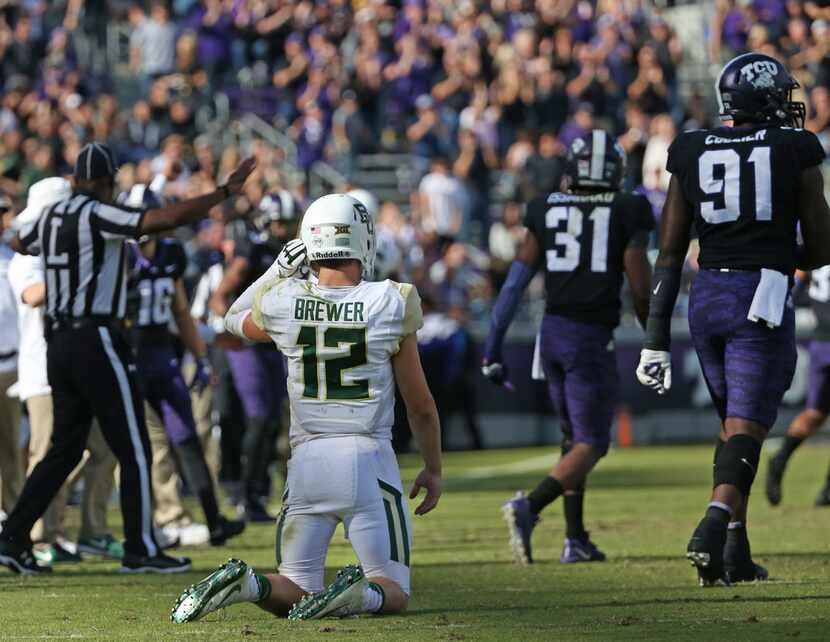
x,y
11,465
171,514
28,286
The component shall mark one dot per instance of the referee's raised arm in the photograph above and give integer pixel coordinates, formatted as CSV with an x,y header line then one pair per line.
x,y
193,209
98,179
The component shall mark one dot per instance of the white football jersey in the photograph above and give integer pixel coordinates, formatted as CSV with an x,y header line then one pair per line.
x,y
339,343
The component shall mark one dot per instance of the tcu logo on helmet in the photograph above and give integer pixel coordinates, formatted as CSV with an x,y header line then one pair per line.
x,y
760,74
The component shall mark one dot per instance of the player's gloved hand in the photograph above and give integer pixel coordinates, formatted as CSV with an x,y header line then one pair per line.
x,y
203,377
496,372
654,370
431,482
292,260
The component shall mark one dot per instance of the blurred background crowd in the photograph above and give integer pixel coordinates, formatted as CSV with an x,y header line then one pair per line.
x,y
452,113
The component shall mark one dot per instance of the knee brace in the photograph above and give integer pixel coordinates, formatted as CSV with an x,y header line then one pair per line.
x,y
737,463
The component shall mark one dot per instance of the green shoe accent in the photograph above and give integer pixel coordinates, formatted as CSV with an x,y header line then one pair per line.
x,y
342,597
56,554
214,592
105,546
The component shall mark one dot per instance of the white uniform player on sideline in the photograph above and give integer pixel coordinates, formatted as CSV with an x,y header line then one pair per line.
x,y
347,341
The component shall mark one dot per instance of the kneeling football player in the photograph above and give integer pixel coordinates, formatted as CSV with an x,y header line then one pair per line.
x,y
347,342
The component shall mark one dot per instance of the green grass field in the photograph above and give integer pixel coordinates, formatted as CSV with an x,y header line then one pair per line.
x,y
641,508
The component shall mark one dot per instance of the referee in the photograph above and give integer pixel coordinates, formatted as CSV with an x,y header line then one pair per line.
x,y
89,363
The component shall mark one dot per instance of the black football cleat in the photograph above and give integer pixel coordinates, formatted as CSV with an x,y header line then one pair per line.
x,y
750,572
737,559
225,529
161,563
823,498
775,473
21,560
705,552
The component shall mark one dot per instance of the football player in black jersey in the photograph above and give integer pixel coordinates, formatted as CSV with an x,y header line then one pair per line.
x,y
586,238
258,371
156,298
808,423
745,188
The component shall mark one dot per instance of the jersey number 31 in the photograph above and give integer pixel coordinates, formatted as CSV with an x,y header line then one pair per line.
x,y
565,257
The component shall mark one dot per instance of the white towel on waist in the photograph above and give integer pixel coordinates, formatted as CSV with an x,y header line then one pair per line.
x,y
770,298
537,373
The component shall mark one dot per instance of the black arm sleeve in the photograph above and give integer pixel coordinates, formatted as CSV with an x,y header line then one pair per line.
x,y
663,297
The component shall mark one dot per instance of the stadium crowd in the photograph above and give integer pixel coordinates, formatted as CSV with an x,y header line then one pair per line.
x,y
483,95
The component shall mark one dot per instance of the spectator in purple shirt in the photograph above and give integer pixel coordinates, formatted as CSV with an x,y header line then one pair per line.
x,y
214,27
310,132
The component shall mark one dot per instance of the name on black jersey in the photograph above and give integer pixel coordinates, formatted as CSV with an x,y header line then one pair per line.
x,y
322,311
718,140
560,197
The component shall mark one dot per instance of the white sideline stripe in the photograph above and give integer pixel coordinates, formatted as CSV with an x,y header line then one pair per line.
x,y
540,462
135,438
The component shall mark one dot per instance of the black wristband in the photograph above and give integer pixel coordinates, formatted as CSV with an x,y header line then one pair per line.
x,y
226,192
666,285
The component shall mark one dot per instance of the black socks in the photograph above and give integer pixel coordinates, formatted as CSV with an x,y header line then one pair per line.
x,y
575,529
787,449
195,470
719,513
546,492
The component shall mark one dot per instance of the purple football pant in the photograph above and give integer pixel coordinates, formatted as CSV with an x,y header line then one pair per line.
x,y
818,391
259,378
165,390
581,368
747,366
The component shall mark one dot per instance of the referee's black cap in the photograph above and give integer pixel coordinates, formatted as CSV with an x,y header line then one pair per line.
x,y
95,161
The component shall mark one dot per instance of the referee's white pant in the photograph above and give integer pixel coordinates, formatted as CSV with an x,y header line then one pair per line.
x,y
92,374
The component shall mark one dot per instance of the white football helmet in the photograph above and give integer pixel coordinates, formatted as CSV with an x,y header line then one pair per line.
x,y
338,226
368,199
388,256
43,194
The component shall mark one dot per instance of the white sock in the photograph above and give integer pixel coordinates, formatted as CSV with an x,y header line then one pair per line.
x,y
372,598
250,587
733,525
722,506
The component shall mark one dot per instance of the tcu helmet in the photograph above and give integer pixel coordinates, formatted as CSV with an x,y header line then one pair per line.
x,y
368,199
338,226
595,161
388,256
276,207
756,88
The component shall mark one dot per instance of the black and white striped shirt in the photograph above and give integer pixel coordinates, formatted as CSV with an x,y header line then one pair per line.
x,y
81,243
